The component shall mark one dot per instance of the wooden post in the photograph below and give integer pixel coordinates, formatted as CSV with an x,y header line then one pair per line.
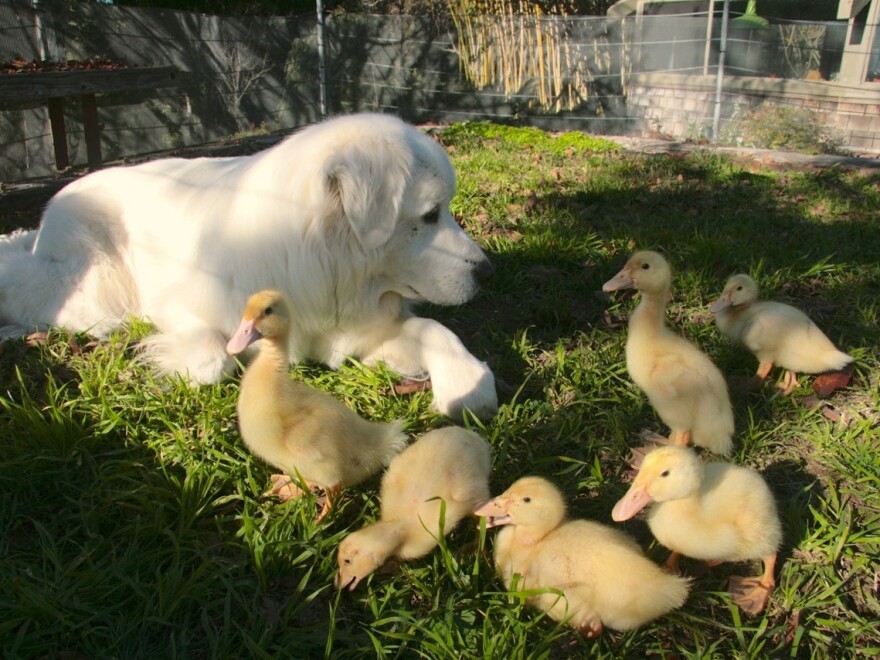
x,y
54,85
59,134
92,130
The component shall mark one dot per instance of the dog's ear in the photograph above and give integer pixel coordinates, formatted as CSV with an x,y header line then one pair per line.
x,y
365,185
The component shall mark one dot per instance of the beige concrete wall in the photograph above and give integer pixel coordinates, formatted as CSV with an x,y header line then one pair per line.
x,y
683,107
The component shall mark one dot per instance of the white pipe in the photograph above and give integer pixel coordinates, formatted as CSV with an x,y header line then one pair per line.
x,y
38,31
722,50
322,66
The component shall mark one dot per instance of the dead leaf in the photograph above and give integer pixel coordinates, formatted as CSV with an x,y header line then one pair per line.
x,y
792,626
532,201
410,386
827,384
36,339
828,411
612,321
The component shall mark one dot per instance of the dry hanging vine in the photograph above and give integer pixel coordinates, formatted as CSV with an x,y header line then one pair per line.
x,y
511,45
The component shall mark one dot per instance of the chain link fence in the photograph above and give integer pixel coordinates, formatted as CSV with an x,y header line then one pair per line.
x,y
244,76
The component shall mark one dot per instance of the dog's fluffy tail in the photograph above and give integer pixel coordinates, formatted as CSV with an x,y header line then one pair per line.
x,y
22,285
90,292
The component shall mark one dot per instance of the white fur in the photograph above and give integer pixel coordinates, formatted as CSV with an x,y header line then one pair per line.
x,y
339,216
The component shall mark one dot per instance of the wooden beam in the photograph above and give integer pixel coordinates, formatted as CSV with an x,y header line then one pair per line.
x,y
34,86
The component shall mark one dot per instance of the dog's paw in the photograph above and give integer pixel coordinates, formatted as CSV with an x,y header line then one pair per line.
x,y
199,357
464,385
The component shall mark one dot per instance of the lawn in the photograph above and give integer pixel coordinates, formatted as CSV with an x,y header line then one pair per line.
x,y
132,519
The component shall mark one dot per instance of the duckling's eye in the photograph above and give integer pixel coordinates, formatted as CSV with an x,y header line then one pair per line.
x,y
665,473
268,311
646,266
346,561
527,499
739,288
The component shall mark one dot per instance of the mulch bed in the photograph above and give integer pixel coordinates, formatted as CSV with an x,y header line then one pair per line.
x,y
21,65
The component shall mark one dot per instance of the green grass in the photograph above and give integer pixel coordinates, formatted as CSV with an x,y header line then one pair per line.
x,y
131,521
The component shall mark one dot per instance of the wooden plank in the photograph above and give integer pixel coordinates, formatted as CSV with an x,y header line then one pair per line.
x,y
59,133
33,86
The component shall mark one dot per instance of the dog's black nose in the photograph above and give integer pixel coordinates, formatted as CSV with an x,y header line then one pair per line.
x,y
483,270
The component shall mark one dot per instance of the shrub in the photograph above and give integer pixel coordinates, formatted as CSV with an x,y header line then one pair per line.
x,y
785,127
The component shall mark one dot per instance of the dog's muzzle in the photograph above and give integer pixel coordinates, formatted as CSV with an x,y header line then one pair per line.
x,y
483,270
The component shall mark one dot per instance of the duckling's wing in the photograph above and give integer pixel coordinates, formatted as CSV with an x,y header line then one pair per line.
x,y
683,372
576,605
313,421
769,324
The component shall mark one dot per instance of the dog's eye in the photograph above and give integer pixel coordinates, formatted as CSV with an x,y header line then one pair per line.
x,y
432,216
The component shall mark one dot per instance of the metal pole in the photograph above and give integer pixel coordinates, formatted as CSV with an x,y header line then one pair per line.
x,y
322,67
710,22
39,31
722,49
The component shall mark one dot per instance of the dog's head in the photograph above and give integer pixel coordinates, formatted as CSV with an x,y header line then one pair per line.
x,y
388,187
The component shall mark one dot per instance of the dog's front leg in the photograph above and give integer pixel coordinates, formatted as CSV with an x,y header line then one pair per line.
x,y
459,381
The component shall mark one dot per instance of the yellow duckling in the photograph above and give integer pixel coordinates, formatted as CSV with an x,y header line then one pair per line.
x,y
775,332
682,383
451,465
602,573
295,427
716,512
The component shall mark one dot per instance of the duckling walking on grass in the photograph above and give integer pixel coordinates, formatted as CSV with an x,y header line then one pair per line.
x,y
604,577
296,428
446,470
682,383
717,512
776,333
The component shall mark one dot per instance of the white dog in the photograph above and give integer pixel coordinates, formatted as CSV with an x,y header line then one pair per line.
x,y
349,217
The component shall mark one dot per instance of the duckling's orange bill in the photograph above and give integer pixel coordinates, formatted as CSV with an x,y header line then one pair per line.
x,y
623,280
246,335
495,512
635,500
339,582
722,303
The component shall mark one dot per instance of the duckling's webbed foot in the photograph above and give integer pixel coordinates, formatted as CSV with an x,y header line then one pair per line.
x,y
789,382
636,458
680,438
764,370
591,628
671,563
327,500
637,454
653,437
750,593
284,489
